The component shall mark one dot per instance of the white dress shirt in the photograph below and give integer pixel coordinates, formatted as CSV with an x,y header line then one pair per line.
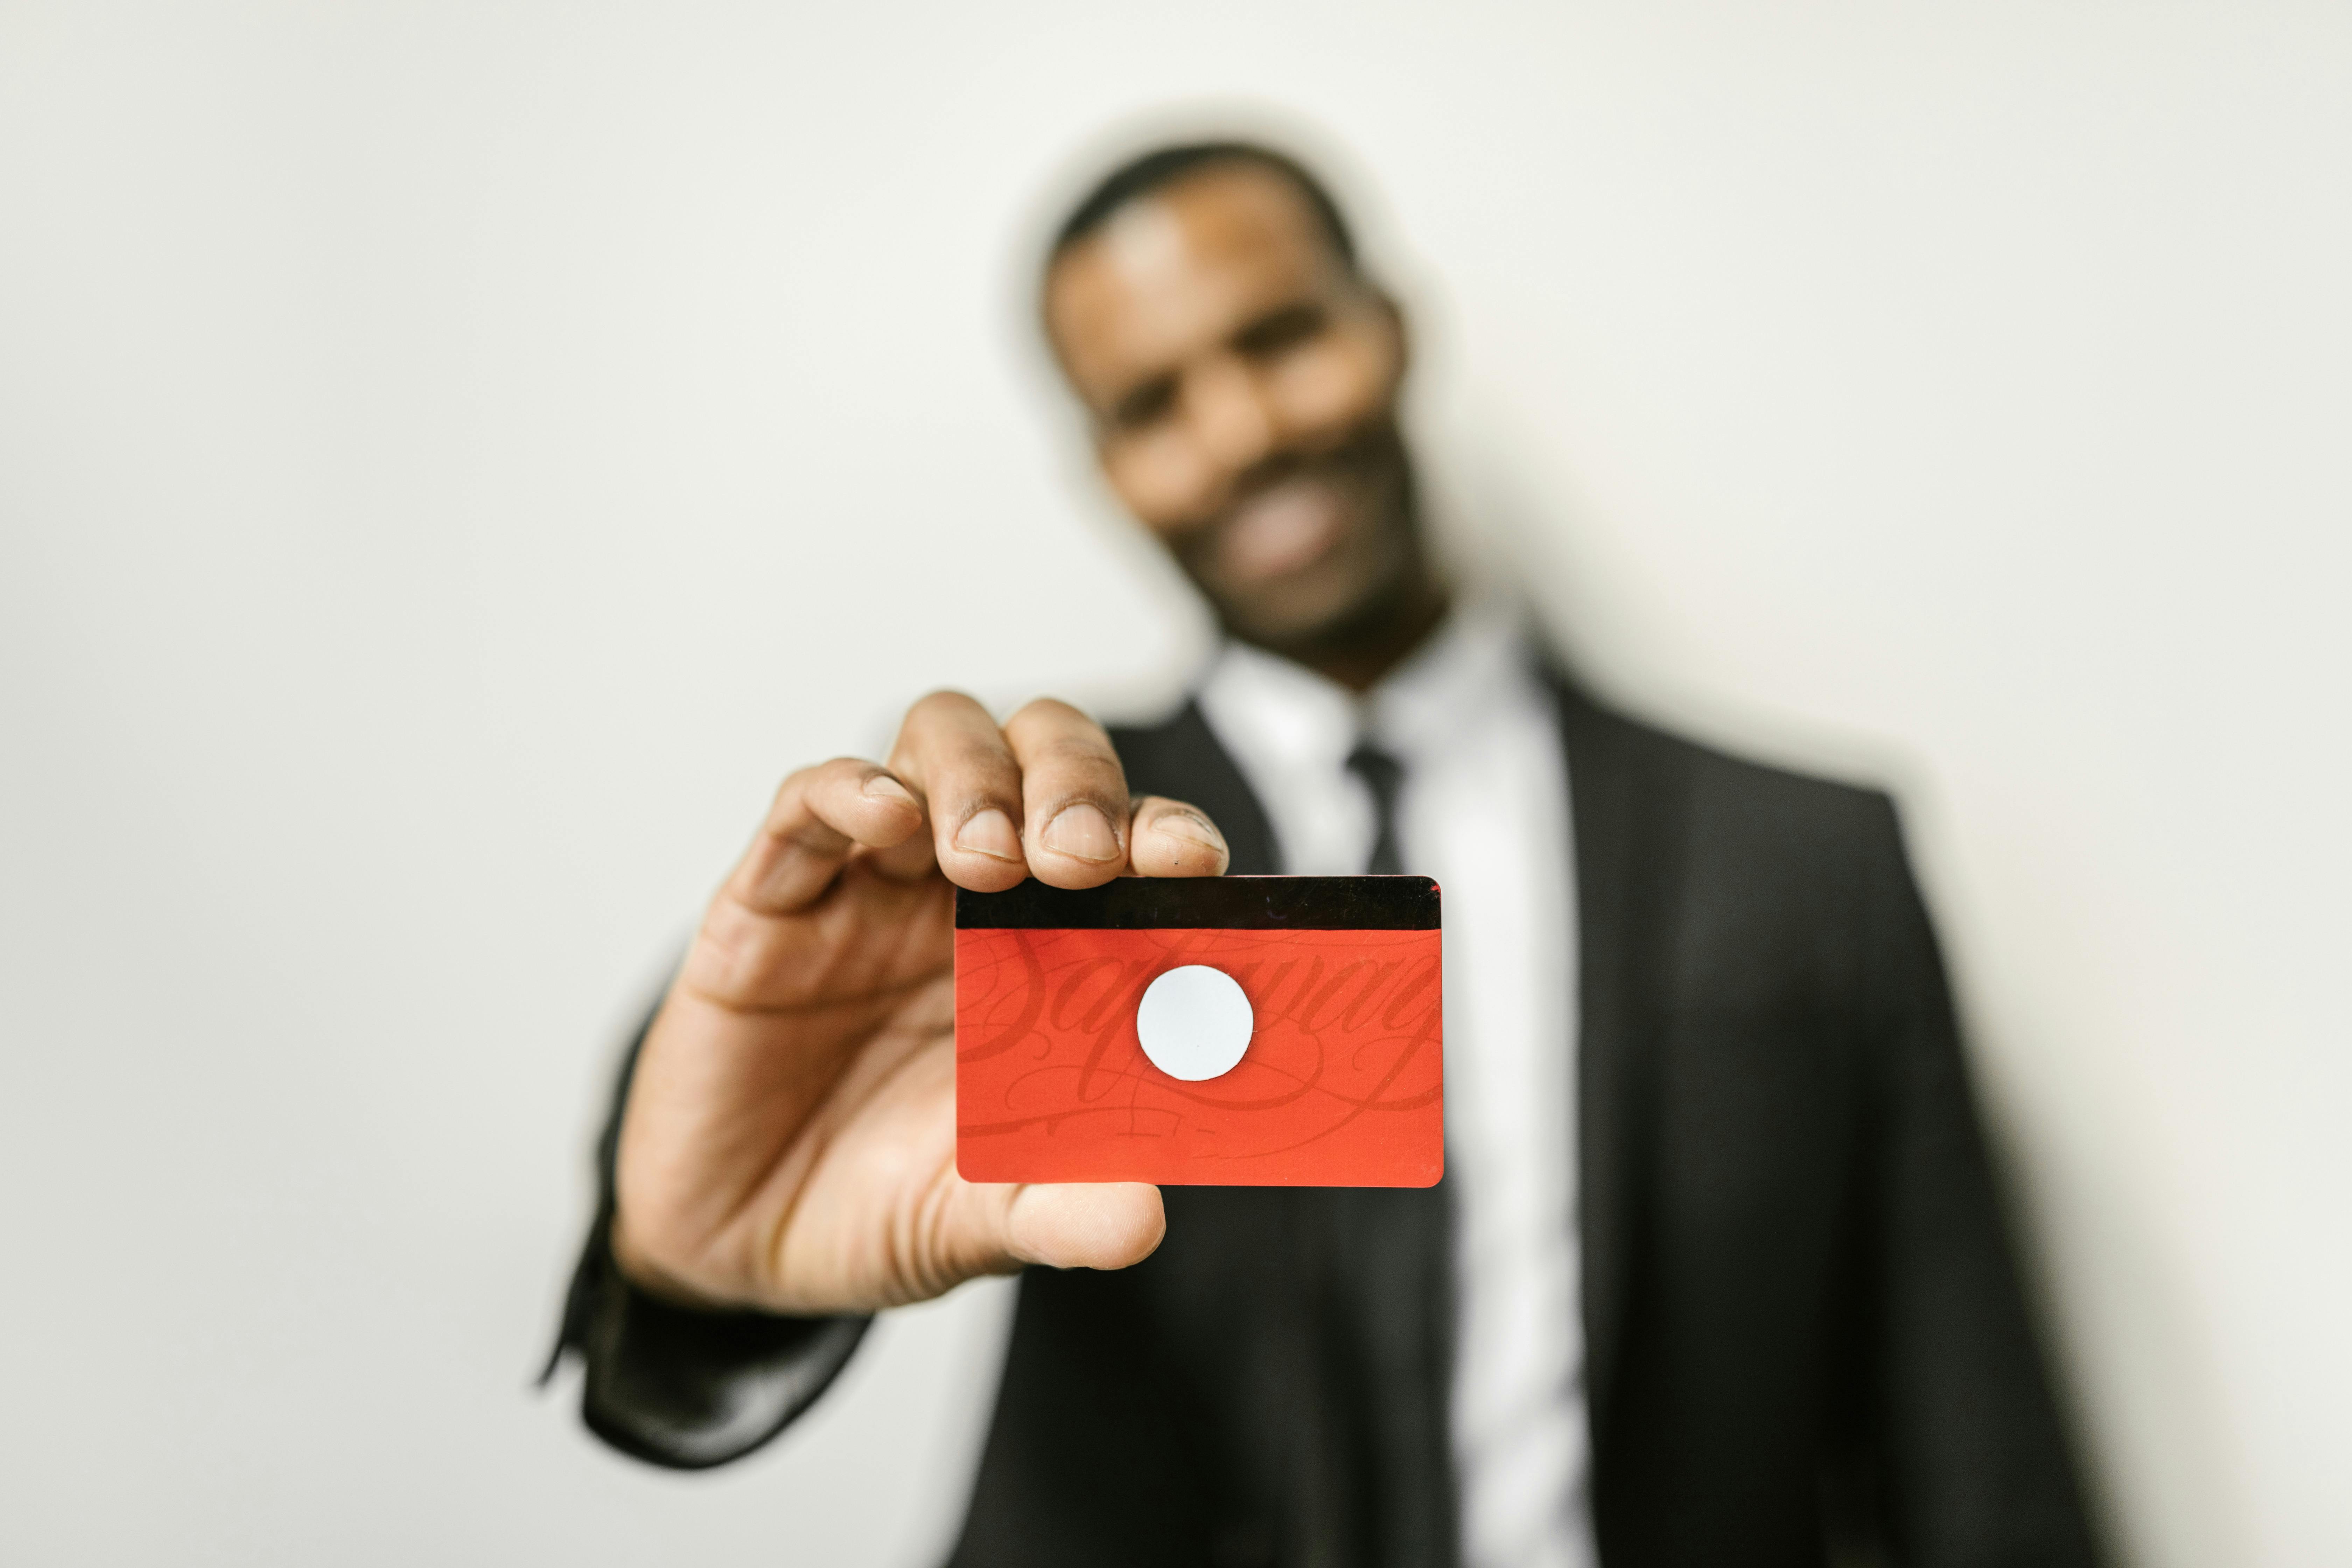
x,y
1485,810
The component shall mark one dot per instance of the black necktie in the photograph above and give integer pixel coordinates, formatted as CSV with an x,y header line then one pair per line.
x,y
1384,776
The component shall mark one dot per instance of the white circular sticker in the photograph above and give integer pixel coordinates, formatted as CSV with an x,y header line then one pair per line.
x,y
1195,1023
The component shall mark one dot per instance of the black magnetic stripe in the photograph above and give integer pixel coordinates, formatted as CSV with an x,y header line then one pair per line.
x,y
1237,904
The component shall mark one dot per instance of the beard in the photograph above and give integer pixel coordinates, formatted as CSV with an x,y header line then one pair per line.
x,y
1319,555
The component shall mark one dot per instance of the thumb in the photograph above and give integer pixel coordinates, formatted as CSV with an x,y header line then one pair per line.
x,y
1084,1225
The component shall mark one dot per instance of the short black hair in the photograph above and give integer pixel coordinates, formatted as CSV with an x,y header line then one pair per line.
x,y
1163,166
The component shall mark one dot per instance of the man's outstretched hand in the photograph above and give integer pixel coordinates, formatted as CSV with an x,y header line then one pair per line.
x,y
790,1137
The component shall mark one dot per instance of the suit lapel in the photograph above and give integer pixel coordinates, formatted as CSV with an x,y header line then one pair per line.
x,y
1184,759
1623,803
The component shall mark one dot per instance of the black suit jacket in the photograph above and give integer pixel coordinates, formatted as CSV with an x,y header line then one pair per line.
x,y
1804,1336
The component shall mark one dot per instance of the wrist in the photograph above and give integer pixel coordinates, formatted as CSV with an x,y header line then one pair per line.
x,y
643,1270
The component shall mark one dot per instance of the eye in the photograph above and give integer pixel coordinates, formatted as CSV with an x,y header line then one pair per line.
x,y
1271,334
1144,404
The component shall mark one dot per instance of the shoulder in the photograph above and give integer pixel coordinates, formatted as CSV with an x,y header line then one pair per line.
x,y
1776,892
1732,815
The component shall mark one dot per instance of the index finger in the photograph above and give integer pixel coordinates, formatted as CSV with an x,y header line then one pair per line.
x,y
1073,796
951,753
1082,825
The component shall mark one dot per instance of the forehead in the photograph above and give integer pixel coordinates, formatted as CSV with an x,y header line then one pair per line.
x,y
1182,267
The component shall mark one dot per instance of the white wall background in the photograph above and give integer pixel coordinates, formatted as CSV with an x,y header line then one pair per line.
x,y
454,457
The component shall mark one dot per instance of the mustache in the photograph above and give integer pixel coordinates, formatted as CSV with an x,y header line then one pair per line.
x,y
1355,457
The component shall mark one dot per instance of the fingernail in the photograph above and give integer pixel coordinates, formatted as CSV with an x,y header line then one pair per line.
x,y
990,832
1083,832
882,787
1192,829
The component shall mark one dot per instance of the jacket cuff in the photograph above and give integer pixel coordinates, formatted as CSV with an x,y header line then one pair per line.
x,y
684,1388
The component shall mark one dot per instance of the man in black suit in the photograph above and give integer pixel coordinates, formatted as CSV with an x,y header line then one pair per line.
x,y
1737,1292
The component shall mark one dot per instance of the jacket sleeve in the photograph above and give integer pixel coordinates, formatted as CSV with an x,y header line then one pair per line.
x,y
1973,1465
674,1386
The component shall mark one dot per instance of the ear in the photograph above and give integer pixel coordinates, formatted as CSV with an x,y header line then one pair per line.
x,y
1392,314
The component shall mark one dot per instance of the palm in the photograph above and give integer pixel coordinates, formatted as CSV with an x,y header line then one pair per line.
x,y
790,1139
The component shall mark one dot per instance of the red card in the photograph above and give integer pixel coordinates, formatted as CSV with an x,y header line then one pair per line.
x,y
1232,1031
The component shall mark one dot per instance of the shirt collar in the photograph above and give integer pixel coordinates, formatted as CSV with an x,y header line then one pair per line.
x,y
1476,657
1266,705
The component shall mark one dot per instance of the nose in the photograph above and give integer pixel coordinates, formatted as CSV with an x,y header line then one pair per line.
x,y
1229,414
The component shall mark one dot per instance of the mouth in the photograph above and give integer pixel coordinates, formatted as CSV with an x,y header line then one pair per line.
x,y
1280,530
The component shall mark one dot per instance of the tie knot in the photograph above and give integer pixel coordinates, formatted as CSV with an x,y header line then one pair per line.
x,y
1379,769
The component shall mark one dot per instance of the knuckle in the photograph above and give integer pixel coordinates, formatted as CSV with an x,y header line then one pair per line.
x,y
1080,753
944,703
1047,717
1046,708
816,840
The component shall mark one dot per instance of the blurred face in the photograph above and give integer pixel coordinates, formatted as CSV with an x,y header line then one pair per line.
x,y
1243,385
